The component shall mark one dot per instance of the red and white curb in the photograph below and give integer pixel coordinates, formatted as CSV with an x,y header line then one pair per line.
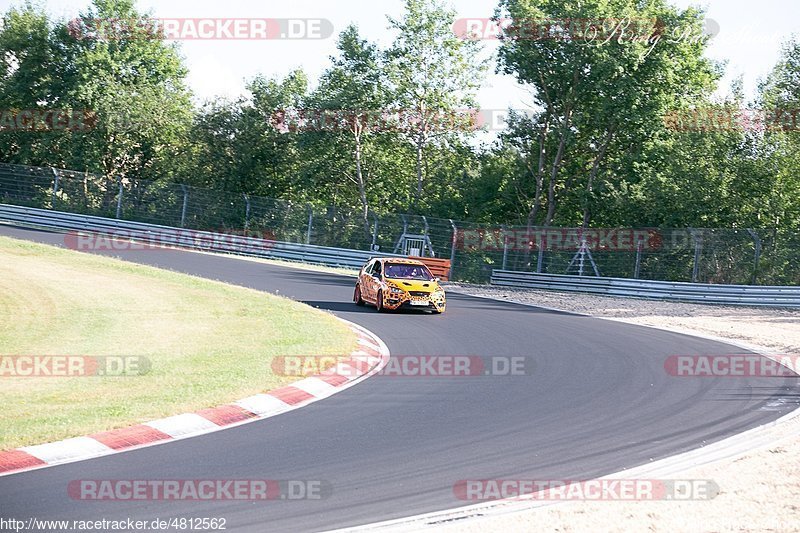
x,y
369,358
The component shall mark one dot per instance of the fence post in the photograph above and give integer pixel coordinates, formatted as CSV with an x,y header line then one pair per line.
x,y
638,258
185,204
55,188
757,254
119,197
310,223
505,245
246,212
453,249
698,247
401,240
427,241
540,258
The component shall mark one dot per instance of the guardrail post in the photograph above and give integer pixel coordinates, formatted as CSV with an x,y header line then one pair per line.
x,y
185,204
55,188
698,247
757,255
310,224
119,197
637,267
246,212
453,248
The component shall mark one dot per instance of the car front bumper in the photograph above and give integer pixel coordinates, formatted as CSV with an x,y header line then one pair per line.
x,y
406,301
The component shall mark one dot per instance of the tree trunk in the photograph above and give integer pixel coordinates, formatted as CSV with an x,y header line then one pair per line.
x,y
551,186
592,176
422,110
539,177
360,181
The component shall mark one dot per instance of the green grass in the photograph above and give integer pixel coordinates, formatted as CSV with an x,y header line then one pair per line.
x,y
208,342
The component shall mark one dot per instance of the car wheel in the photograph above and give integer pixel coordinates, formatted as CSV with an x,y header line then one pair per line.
x,y
379,302
357,296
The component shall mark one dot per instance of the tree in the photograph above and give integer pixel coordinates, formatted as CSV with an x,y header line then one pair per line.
x,y
130,89
135,85
433,74
32,51
599,95
353,90
779,98
238,147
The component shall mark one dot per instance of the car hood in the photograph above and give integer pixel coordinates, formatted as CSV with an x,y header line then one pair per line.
x,y
414,284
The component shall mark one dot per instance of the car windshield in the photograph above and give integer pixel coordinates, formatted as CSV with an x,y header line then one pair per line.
x,y
400,271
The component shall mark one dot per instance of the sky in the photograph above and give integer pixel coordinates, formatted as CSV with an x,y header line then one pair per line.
x,y
749,39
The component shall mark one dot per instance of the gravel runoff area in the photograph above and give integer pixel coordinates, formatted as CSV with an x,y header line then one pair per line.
x,y
759,490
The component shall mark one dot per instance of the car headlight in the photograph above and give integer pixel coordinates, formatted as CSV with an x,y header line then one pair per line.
x,y
396,290
438,294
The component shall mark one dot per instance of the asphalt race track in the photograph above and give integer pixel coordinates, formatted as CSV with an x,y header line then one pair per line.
x,y
599,400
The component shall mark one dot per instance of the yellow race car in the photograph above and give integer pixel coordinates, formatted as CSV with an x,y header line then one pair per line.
x,y
390,283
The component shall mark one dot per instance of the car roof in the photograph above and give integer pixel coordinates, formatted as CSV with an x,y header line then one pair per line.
x,y
400,260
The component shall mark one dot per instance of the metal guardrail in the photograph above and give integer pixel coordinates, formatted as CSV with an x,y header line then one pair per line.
x,y
749,295
706,255
84,227
155,235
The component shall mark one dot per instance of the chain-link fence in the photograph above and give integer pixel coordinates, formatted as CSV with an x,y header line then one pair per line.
x,y
741,256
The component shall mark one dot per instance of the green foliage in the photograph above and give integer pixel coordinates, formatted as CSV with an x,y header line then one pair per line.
x,y
431,73
236,148
598,99
131,92
599,147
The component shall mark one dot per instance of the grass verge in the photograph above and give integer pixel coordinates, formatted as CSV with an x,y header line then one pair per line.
x,y
207,342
